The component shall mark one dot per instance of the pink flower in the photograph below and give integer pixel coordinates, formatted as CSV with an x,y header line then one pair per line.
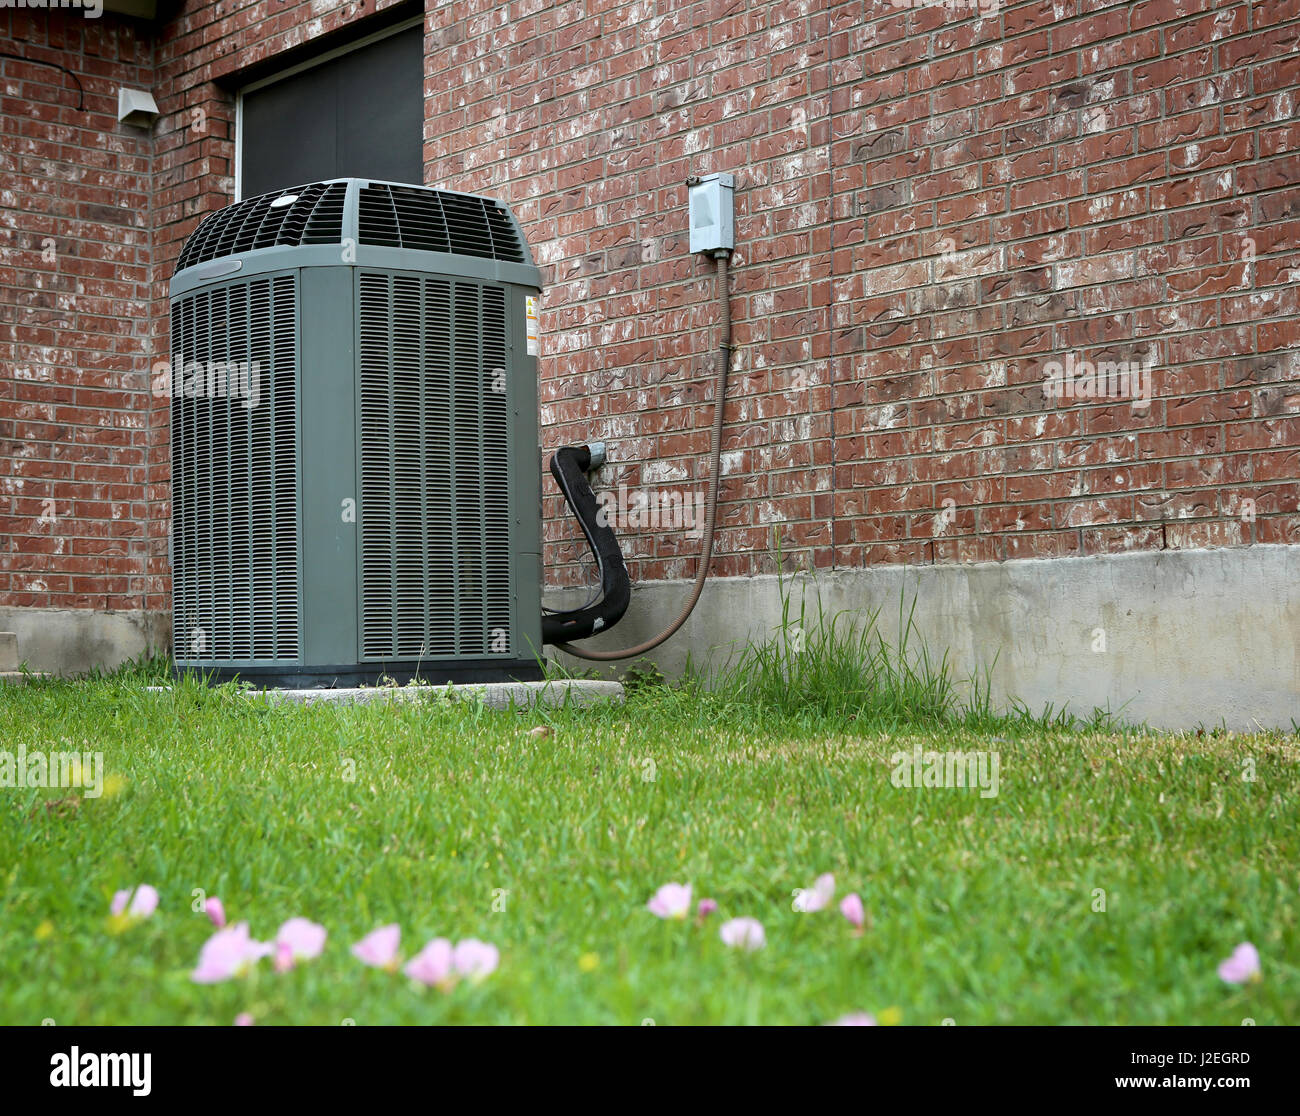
x,y
243,1019
743,933
816,897
143,900
855,1019
299,939
433,964
475,959
228,953
216,911
706,908
851,908
1242,966
671,901
379,947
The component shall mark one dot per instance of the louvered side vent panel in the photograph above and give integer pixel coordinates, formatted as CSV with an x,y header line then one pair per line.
x,y
315,218
235,473
435,526
437,221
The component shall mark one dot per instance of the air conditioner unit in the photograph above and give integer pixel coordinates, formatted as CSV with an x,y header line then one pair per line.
x,y
354,442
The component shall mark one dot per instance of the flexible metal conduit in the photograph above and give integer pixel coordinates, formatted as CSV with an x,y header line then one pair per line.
x,y
711,506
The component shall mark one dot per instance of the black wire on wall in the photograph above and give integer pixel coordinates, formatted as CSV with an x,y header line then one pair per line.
x,y
81,93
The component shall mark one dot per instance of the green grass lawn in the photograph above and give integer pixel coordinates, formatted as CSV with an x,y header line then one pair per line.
x,y
980,910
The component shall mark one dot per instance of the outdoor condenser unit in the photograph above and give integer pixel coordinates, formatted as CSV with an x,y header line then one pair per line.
x,y
355,463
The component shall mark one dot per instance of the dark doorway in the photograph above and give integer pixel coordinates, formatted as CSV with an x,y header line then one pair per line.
x,y
354,114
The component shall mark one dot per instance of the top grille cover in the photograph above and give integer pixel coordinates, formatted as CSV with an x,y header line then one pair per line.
x,y
315,217
403,217
383,214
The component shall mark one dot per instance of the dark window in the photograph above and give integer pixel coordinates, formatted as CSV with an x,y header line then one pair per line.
x,y
359,115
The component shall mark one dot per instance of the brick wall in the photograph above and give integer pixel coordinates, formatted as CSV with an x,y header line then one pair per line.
x,y
933,205
75,199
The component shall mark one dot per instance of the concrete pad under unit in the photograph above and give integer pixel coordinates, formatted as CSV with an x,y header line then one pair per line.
x,y
495,695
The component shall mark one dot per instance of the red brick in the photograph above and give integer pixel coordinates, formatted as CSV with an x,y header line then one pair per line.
x,y
929,209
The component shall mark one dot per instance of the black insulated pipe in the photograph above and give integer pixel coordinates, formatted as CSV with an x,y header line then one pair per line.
x,y
569,466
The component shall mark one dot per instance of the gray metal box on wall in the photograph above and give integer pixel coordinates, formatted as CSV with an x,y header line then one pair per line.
x,y
355,463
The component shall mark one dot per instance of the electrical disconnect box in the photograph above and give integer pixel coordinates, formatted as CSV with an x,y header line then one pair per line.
x,y
712,227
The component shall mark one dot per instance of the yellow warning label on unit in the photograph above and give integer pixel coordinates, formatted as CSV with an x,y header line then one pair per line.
x,y
530,314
